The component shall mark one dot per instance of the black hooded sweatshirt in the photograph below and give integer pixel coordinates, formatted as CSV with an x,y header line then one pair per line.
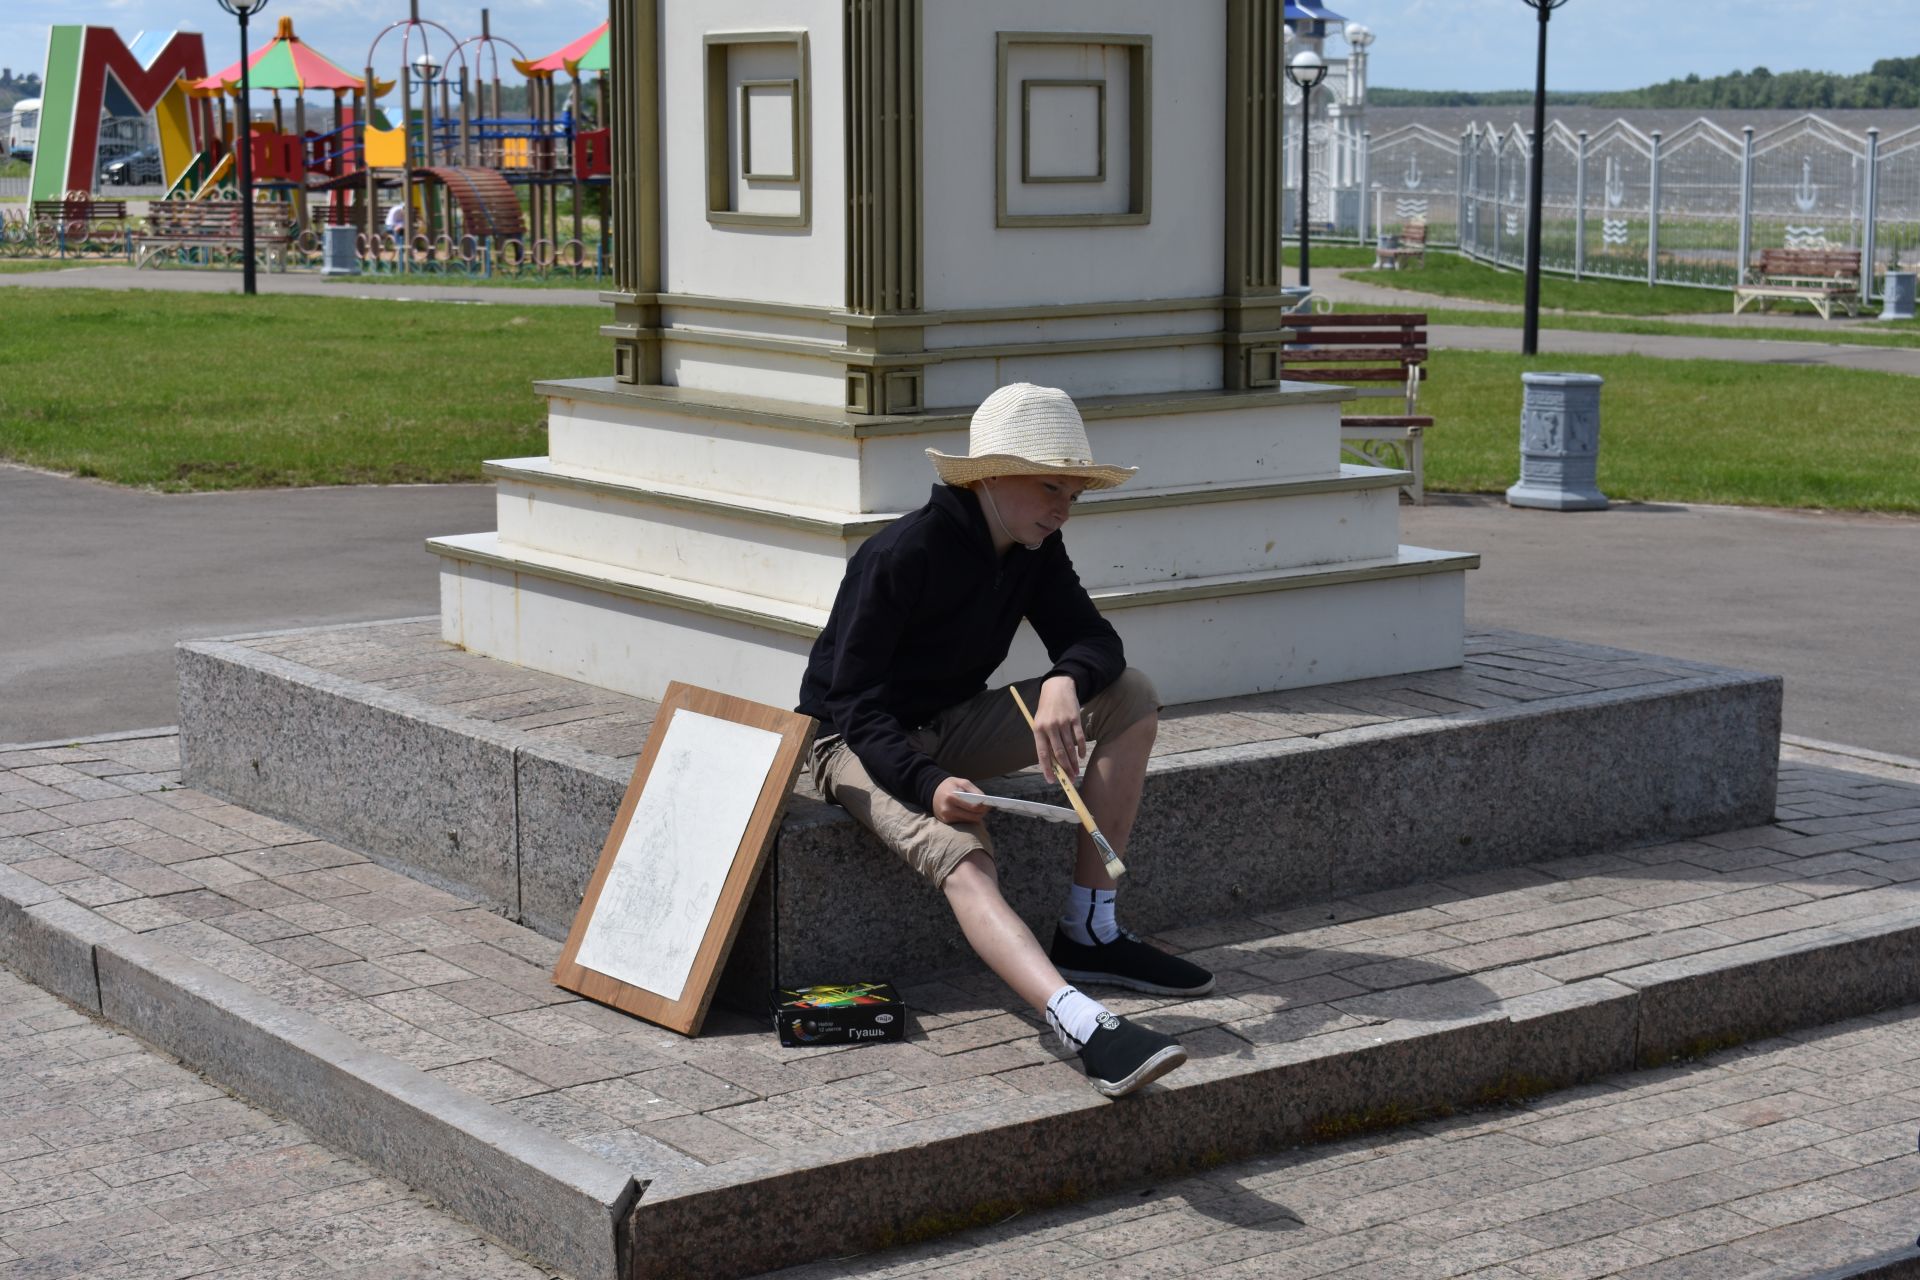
x,y
926,612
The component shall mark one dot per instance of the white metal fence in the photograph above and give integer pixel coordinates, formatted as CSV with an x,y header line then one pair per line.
x,y
1688,208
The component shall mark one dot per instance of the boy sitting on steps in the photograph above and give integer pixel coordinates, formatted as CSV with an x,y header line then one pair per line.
x,y
927,611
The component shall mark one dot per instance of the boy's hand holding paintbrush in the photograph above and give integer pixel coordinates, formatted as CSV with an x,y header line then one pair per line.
x,y
1059,743
1051,740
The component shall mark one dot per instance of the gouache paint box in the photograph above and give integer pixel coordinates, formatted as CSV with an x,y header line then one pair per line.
x,y
851,1013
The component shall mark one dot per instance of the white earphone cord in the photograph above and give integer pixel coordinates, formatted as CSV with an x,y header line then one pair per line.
x,y
986,491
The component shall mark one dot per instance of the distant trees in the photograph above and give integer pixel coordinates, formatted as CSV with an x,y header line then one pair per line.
x,y
1890,83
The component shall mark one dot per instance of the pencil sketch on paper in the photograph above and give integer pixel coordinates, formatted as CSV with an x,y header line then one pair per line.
x,y
672,863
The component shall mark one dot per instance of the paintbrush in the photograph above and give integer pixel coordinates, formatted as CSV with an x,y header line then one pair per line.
x,y
1115,867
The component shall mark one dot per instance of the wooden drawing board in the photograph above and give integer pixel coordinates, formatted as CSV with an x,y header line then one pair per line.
x,y
686,848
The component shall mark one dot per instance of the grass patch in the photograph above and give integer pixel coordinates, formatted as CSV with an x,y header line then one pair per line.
x,y
192,392
459,280
1693,431
1329,255
1452,276
1904,334
21,266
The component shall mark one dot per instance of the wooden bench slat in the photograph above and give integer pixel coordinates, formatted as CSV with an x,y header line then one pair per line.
x,y
1396,376
1385,420
1335,319
1356,355
1360,337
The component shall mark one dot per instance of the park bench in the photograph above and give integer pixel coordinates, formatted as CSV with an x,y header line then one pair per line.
x,y
214,224
1822,277
1378,354
1412,246
75,220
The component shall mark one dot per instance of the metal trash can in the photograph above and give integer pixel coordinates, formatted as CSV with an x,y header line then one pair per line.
x,y
1897,295
1559,443
339,252
1381,259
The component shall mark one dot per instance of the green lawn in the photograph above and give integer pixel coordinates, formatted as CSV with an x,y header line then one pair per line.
x,y
1693,430
1452,276
1329,255
18,266
185,392
559,278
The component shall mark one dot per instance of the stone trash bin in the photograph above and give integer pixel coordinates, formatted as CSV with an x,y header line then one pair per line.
x,y
1382,259
339,254
1559,443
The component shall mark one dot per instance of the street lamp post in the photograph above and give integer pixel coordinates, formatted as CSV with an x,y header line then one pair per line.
x,y
1530,336
244,9
1306,69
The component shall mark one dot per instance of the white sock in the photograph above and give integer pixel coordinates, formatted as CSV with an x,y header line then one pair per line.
x,y
1074,1016
1089,916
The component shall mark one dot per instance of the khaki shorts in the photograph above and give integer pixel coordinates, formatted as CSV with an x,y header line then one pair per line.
x,y
981,738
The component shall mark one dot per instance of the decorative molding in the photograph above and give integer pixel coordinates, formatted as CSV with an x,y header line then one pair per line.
x,y
1027,87
723,176
913,357
1139,129
634,35
1255,85
885,226
784,415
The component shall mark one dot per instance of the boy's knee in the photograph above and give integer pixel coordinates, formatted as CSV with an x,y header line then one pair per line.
x,y
974,873
1126,702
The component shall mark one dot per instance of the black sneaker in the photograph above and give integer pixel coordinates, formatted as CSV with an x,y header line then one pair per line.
x,y
1128,962
1121,1056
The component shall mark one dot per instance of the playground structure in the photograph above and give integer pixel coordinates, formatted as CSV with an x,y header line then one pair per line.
x,y
477,189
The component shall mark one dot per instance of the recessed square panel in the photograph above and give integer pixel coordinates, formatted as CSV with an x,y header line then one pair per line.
x,y
1063,131
770,130
1074,129
757,128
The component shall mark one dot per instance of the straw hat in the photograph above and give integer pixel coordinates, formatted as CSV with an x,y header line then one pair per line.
x,y
1024,430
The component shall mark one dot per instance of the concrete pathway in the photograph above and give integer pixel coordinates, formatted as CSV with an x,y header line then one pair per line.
x,y
1777,339
100,581
116,576
120,276
116,1161
1715,305
1825,600
1772,350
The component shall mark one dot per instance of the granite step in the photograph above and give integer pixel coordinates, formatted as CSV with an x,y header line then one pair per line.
x,y
421,1032
499,782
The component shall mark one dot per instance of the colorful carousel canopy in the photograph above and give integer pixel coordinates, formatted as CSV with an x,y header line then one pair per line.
x,y
591,52
284,62
1309,11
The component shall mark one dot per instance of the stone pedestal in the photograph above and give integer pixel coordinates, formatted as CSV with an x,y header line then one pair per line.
x,y
1897,295
843,224
1559,443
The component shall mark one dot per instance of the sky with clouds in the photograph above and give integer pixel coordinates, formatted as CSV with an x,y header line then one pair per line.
x,y
1420,44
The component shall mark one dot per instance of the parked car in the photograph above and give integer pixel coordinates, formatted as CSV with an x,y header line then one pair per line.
x,y
139,168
